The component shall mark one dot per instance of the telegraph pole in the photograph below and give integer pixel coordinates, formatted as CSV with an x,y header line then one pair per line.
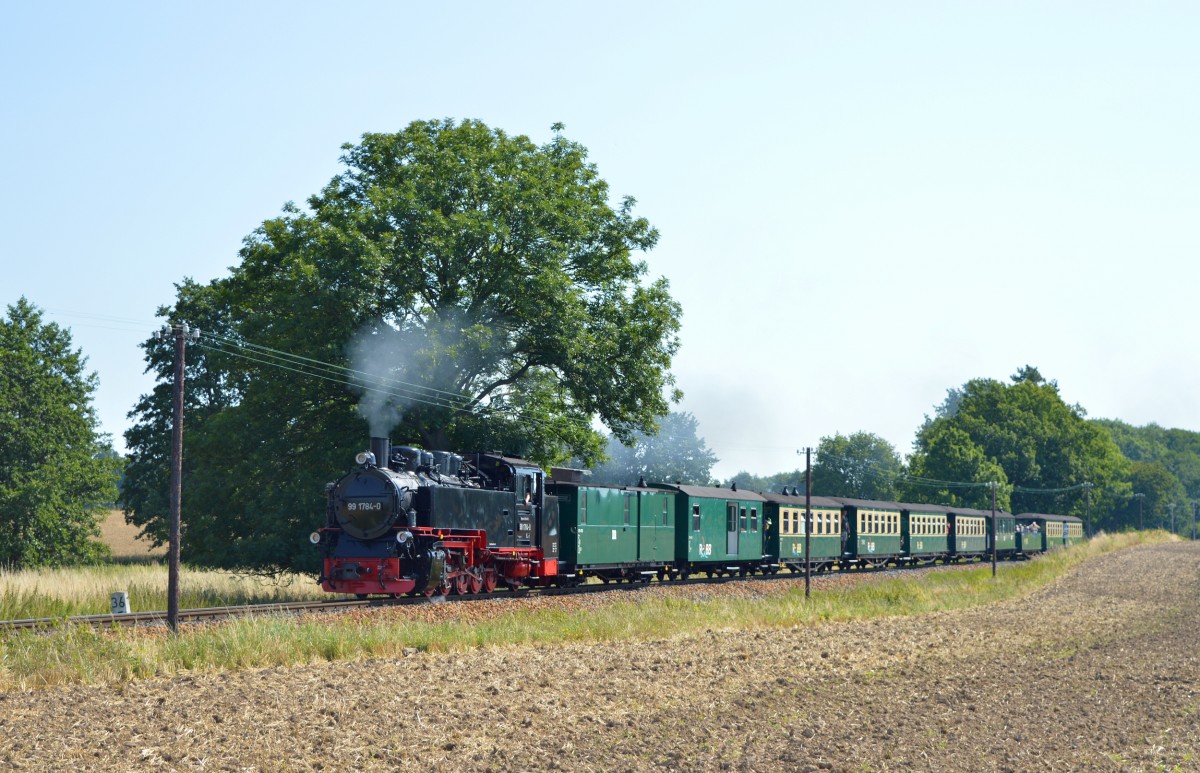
x,y
1087,513
995,529
180,333
807,523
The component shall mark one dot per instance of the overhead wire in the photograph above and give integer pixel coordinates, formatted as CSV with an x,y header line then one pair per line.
x,y
307,366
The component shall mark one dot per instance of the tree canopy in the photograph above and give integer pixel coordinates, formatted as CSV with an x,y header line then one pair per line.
x,y
1025,435
1166,468
860,466
674,454
454,287
57,474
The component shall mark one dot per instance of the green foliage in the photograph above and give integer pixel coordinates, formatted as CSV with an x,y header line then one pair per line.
x,y
772,484
674,454
1175,452
946,452
860,466
486,280
1022,433
56,471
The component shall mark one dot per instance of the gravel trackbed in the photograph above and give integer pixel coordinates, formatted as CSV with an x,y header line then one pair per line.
x,y
1098,671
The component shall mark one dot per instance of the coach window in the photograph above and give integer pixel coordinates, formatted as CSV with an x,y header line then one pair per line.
x,y
583,507
666,510
626,509
695,517
753,519
743,512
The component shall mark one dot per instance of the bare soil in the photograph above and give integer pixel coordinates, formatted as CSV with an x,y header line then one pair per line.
x,y
1099,671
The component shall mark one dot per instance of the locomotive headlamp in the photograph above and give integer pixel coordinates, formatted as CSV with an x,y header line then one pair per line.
x,y
403,536
362,457
315,538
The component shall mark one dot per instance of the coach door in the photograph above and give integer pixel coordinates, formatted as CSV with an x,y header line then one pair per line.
x,y
731,528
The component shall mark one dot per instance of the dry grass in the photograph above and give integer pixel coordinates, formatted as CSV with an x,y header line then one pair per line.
x,y
85,590
122,539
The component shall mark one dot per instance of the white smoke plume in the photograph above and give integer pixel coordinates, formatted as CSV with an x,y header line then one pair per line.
x,y
396,370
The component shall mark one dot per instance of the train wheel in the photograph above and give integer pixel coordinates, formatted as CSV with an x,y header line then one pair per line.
x,y
476,583
489,580
462,583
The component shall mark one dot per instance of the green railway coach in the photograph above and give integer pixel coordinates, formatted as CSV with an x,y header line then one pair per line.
x,y
968,533
1058,530
925,533
870,532
615,532
783,533
718,530
1031,537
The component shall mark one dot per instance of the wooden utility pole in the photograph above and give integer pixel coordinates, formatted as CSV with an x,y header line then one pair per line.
x,y
807,523
1087,490
995,528
180,334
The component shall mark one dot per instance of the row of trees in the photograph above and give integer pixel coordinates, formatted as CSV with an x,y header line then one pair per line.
x,y
1038,449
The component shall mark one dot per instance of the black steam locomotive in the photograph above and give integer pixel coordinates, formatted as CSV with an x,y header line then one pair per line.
x,y
407,521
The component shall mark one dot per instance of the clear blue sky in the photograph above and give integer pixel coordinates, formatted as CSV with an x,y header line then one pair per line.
x,y
861,204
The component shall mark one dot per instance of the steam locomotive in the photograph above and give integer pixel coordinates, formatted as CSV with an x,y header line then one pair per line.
x,y
407,521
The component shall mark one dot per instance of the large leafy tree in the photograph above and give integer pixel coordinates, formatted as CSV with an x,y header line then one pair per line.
x,y
861,465
57,474
1037,441
946,463
676,453
481,291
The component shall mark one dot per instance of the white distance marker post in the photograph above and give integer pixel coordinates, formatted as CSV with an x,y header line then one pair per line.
x,y
120,603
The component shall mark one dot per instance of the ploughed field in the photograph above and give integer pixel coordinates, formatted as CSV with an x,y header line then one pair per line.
x,y
1098,671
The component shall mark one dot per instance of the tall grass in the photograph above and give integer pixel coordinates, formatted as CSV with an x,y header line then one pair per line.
x,y
74,654
36,593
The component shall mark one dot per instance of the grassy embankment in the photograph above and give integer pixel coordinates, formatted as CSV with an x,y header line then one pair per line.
x,y
75,654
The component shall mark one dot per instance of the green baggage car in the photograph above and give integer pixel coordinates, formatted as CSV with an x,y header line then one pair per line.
x,y
615,532
718,531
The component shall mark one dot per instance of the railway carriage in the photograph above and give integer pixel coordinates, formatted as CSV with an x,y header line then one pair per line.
x,y
871,533
718,531
925,533
1057,530
1031,537
968,534
614,532
784,532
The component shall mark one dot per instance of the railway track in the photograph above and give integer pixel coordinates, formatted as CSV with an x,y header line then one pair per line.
x,y
209,614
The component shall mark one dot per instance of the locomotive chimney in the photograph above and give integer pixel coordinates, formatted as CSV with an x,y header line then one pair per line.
x,y
382,448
